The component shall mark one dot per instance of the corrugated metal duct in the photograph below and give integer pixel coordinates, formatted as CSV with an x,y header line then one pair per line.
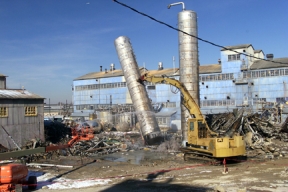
x,y
146,117
188,61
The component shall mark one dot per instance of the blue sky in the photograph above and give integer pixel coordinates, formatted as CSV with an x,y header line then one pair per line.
x,y
45,44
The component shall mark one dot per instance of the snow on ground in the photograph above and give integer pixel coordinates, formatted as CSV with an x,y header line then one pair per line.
x,y
51,181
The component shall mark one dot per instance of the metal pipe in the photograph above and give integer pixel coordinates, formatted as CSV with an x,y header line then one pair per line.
x,y
172,4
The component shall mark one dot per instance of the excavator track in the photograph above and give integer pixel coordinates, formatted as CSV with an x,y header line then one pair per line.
x,y
194,156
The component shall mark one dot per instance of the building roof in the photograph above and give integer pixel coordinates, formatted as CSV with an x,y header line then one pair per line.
x,y
168,72
262,64
103,74
165,113
203,69
213,68
1,75
237,47
18,94
258,51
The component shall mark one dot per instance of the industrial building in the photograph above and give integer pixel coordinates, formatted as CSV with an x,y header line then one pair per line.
x,y
57,112
236,81
21,115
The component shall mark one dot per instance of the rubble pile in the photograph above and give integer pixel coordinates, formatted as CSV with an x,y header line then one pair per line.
x,y
264,128
264,136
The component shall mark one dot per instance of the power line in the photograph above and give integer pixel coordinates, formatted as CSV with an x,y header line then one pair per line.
x,y
206,41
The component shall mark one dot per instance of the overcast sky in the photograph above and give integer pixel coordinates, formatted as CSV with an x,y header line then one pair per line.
x,y
45,44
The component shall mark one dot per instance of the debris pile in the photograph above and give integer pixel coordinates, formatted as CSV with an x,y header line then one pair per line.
x,y
263,135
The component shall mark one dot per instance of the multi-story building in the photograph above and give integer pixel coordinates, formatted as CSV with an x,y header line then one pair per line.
x,y
239,79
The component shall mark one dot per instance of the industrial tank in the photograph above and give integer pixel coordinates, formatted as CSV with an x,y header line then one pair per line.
x,y
92,116
105,116
188,60
143,108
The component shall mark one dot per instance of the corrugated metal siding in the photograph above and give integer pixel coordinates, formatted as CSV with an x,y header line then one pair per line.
x,y
22,128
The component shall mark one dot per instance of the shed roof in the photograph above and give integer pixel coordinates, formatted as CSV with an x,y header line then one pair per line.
x,y
262,64
18,94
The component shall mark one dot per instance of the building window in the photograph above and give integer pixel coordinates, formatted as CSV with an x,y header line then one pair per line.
x,y
281,99
170,104
234,57
162,120
151,87
31,111
100,86
3,112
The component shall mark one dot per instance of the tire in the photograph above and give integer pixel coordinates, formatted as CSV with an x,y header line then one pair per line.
x,y
32,182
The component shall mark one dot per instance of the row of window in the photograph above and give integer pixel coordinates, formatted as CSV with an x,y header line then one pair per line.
x,y
225,76
206,103
100,86
108,106
149,85
101,106
265,73
29,111
234,57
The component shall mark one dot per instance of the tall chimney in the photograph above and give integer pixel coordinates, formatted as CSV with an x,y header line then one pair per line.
x,y
100,68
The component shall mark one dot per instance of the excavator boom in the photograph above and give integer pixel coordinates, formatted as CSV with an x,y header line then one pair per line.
x,y
187,100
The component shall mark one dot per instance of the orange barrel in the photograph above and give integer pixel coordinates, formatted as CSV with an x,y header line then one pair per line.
x,y
13,173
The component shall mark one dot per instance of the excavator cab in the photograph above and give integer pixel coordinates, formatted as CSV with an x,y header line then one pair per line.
x,y
197,132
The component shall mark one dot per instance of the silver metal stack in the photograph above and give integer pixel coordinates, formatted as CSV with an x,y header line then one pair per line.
x,y
188,61
146,117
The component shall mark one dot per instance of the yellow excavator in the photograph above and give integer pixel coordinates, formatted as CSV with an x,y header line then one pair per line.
x,y
201,140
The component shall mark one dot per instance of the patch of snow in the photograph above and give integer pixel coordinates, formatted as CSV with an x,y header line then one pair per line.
x,y
52,182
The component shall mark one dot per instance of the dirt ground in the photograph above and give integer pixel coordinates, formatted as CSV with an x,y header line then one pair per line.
x,y
154,171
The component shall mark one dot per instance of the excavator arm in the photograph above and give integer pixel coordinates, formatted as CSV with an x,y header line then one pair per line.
x,y
187,99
